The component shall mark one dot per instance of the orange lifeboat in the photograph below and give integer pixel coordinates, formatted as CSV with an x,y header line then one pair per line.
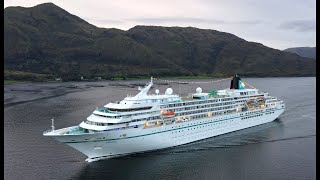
x,y
168,114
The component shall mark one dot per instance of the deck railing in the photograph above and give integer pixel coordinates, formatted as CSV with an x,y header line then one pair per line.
x,y
47,131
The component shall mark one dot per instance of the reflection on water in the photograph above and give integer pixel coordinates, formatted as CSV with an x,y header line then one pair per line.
x,y
282,149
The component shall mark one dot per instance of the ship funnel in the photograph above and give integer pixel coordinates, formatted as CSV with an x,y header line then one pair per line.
x,y
236,83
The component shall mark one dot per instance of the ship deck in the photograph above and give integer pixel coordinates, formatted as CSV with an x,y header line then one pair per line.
x,y
74,130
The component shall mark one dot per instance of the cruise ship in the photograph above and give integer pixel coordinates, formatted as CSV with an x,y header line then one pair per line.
x,y
147,122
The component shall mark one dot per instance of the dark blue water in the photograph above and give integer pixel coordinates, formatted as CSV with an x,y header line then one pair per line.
x,y
282,149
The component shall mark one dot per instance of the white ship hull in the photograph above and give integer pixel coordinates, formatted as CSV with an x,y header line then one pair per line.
x,y
121,142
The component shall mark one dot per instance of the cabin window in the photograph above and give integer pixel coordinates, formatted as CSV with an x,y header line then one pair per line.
x,y
132,109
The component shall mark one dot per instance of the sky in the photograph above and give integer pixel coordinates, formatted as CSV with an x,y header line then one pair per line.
x,y
278,24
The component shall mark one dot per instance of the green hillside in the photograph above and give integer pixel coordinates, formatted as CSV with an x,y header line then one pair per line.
x,y
49,41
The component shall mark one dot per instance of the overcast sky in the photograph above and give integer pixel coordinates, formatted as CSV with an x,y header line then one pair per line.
x,y
278,24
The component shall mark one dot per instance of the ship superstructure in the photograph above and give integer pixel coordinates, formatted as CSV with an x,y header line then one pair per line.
x,y
148,122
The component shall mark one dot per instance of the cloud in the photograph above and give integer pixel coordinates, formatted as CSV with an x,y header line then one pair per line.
x,y
103,21
299,25
253,22
290,23
177,20
190,20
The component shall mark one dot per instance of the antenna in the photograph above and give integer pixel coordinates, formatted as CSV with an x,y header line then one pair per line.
x,y
52,126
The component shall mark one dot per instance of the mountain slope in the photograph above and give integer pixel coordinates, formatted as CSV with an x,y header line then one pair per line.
x,y
309,52
46,39
215,52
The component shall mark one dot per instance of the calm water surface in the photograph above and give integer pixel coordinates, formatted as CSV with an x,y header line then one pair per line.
x,y
282,149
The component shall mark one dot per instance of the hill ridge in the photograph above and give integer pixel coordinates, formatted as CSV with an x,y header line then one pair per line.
x,y
63,45
308,52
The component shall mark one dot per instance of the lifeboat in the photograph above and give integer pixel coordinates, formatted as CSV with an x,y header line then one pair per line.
x,y
168,114
157,123
146,124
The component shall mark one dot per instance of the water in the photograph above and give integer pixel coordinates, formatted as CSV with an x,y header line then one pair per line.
x,y
282,149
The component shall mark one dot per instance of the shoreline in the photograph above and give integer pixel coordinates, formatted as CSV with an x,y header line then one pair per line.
x,y
12,81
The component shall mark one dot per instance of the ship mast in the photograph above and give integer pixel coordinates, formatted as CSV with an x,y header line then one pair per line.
x,y
145,90
52,125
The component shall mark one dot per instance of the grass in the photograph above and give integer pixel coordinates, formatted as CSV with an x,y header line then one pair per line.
x,y
192,77
11,81
176,77
138,78
115,79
